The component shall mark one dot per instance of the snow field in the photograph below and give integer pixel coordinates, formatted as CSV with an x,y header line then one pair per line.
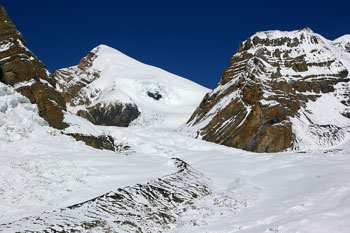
x,y
42,170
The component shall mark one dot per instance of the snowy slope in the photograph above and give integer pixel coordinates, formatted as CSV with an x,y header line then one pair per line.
x,y
113,77
343,42
249,192
42,170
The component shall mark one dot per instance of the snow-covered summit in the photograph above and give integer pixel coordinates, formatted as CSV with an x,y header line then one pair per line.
x,y
132,79
343,39
20,68
107,77
343,42
304,38
275,34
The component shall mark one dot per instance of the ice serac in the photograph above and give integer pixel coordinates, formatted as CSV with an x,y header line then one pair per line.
x,y
20,68
282,90
109,88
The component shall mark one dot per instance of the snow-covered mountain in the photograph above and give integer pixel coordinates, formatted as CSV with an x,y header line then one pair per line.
x,y
282,90
157,179
109,88
51,182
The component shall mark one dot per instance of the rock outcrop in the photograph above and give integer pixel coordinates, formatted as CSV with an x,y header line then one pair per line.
x,y
20,68
99,142
114,114
272,78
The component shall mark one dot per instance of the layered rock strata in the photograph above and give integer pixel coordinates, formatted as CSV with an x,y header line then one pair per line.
x,y
272,77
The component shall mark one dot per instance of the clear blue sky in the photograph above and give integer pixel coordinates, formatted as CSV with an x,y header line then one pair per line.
x,y
194,39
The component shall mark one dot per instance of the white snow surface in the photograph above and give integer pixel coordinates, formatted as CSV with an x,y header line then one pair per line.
x,y
43,170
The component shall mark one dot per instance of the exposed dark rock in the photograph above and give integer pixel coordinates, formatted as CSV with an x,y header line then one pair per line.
x,y
50,103
347,47
116,114
19,66
1,75
346,114
123,148
71,80
98,142
154,95
344,73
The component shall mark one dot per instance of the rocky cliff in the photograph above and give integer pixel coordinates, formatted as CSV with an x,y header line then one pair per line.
x,y
282,90
20,68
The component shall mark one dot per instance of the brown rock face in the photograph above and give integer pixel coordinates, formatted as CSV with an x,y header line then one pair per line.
x,y
100,142
72,80
271,77
49,101
20,68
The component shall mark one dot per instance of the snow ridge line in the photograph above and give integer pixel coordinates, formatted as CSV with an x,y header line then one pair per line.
x,y
151,207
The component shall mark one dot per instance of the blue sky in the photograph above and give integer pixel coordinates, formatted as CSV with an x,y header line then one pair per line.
x,y
193,39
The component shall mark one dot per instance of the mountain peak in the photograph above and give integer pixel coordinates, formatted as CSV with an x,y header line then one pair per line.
x,y
281,39
343,42
107,83
344,38
102,48
264,101
306,29
274,34
20,68
8,32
